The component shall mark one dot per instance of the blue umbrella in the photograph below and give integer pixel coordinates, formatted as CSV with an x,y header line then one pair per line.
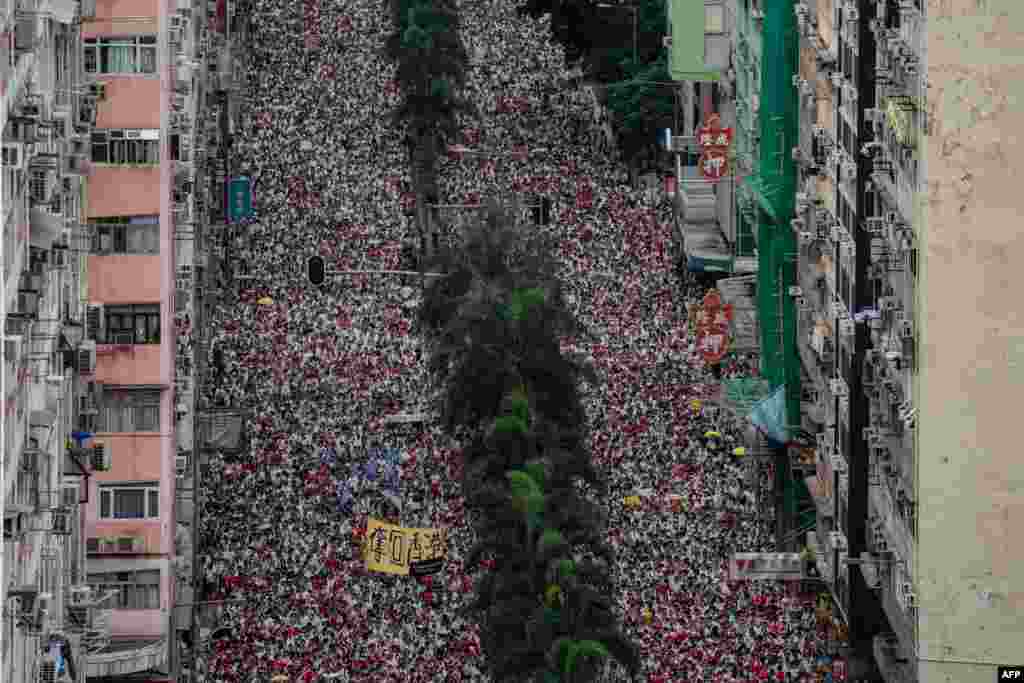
x,y
81,436
328,456
371,470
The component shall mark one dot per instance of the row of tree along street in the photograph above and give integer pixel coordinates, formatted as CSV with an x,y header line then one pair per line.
x,y
493,326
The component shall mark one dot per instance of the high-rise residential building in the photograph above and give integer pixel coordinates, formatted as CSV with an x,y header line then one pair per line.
x,y
903,416
50,620
141,216
859,82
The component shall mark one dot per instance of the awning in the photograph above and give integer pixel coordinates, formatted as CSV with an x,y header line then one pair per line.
x,y
128,658
706,250
741,294
63,10
41,418
46,228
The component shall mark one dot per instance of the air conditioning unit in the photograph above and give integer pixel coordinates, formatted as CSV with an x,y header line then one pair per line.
x,y
836,77
30,460
794,290
796,80
100,458
94,322
79,595
800,302
827,57
874,225
14,157
837,386
849,170
181,465
888,303
852,14
666,42
87,357
911,600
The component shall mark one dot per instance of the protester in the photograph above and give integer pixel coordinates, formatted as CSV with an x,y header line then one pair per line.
x,y
321,367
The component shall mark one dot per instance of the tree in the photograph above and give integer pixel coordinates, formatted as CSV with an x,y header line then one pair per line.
x,y
493,327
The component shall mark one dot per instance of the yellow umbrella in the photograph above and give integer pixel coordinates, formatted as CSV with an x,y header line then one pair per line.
x,y
695,404
631,501
739,451
265,301
712,433
648,615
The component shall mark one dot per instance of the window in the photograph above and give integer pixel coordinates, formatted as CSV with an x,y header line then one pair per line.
x,y
135,590
138,324
126,235
37,185
130,410
130,501
126,147
714,19
120,55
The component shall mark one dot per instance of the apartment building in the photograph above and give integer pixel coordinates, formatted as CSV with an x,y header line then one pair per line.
x,y
142,59
50,619
860,83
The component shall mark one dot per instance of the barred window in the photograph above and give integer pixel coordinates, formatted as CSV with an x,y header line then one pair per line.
x,y
132,410
124,147
130,501
135,589
136,324
126,235
120,55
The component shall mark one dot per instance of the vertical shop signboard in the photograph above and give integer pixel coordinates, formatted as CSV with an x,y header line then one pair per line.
x,y
714,142
239,199
713,321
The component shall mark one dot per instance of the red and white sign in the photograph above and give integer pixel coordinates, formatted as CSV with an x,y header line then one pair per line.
x,y
714,163
714,142
713,327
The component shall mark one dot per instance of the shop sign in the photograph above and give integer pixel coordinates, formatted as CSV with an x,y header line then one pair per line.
x,y
714,164
713,321
714,142
766,567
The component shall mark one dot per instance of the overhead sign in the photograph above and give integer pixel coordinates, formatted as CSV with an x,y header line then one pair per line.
x,y
393,549
766,567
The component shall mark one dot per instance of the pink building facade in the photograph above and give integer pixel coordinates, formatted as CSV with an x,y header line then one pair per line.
x,y
131,517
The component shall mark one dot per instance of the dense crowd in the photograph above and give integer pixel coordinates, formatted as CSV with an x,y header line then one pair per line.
x,y
320,369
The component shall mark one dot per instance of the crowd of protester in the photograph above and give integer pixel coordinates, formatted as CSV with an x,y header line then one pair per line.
x,y
319,369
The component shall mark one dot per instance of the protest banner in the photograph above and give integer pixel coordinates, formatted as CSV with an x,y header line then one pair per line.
x,y
392,549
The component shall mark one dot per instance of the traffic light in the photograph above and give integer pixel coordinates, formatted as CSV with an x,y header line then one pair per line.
x,y
315,270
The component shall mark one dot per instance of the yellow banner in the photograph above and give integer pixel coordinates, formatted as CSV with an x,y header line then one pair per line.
x,y
390,548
